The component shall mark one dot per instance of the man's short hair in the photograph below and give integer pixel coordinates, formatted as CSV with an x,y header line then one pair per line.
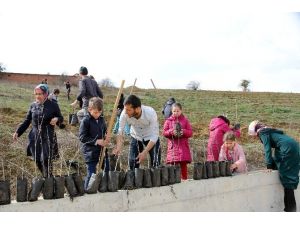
x,y
133,100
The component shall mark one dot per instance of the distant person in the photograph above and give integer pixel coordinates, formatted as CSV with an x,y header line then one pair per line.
x,y
217,128
178,130
54,95
92,133
285,158
45,81
68,88
232,151
88,88
144,133
167,109
119,111
43,115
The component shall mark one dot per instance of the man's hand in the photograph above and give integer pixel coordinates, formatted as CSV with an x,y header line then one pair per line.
x,y
141,157
74,104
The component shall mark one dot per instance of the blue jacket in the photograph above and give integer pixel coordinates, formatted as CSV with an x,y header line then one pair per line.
x,y
90,130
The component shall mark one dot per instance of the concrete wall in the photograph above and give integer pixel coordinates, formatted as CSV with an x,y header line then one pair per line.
x,y
251,192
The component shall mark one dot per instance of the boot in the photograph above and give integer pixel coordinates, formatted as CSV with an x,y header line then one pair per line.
x,y
289,200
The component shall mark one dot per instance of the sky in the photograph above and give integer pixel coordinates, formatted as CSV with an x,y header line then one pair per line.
x,y
171,42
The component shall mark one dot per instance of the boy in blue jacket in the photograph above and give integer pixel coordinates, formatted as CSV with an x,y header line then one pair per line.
x,y
92,136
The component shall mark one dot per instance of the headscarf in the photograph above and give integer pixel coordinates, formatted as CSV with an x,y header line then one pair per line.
x,y
255,127
251,128
44,88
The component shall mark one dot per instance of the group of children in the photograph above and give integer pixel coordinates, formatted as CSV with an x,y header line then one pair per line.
x,y
222,145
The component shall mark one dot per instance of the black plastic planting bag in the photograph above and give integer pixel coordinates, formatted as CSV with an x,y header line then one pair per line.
x,y
103,186
138,177
122,176
59,187
22,189
177,173
114,163
48,188
93,184
171,174
198,171
164,176
4,192
216,169
36,188
147,183
70,118
78,183
222,168
71,187
156,177
209,169
74,119
204,171
228,170
113,181
129,180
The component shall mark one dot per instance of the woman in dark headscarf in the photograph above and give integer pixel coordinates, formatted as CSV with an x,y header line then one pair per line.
x,y
43,115
286,158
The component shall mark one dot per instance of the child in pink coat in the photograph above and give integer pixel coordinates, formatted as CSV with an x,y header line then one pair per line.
x,y
232,151
217,128
177,129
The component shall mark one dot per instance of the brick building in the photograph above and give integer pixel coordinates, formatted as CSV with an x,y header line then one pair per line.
x,y
38,78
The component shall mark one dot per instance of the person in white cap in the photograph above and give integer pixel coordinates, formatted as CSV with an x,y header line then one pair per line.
x,y
286,158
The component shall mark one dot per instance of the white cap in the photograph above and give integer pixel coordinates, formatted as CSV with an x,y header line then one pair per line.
x,y
251,129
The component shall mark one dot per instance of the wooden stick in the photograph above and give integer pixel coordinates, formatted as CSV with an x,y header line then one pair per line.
x,y
111,122
153,83
132,87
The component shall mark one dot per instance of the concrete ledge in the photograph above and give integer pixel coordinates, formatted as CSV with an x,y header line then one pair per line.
x,y
257,191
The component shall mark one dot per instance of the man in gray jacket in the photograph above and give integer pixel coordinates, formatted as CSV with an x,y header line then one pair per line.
x,y
88,88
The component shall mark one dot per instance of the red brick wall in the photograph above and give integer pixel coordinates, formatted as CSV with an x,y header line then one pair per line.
x,y
37,78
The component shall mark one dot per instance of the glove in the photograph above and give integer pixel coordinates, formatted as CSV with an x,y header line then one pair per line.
x,y
237,126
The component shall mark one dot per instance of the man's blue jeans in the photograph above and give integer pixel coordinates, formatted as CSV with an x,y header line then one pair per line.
x,y
137,146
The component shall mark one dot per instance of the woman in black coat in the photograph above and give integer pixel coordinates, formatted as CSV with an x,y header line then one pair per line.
x,y
43,115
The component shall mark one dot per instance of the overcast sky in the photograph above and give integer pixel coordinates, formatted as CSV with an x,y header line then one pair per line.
x,y
172,42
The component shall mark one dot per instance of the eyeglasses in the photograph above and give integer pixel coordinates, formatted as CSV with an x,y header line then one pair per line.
x,y
38,94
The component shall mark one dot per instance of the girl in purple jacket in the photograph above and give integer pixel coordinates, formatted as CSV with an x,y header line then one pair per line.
x,y
177,129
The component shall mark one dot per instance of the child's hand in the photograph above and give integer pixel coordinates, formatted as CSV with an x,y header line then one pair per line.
x,y
175,132
15,136
233,167
101,142
116,151
53,121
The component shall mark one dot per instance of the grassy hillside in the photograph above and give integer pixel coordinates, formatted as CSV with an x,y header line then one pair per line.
x,y
281,110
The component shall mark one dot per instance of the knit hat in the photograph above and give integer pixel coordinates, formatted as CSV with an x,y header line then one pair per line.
x,y
252,127
83,71
44,88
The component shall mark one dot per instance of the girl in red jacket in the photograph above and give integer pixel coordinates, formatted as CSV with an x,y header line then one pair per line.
x,y
177,129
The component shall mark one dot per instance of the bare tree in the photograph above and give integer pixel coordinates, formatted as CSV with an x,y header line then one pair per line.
x,y
106,82
193,85
245,85
2,67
